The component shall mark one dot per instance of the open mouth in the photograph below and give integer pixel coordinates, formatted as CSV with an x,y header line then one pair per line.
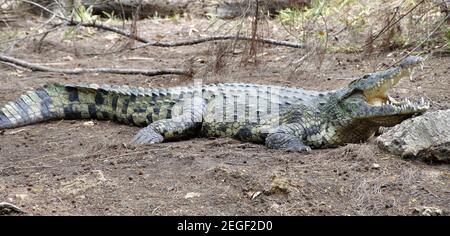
x,y
378,96
404,105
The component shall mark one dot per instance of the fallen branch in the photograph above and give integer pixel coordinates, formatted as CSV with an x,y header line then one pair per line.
x,y
184,42
217,38
72,22
107,28
204,40
6,208
37,67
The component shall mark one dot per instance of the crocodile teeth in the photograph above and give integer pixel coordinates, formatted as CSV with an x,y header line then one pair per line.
x,y
392,100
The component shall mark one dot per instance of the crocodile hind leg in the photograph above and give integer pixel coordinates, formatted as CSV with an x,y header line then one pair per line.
x,y
186,125
287,137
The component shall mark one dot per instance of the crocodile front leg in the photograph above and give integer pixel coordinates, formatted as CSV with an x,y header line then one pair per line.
x,y
287,137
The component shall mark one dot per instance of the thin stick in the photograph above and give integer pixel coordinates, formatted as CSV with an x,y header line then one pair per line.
x,y
37,67
12,65
204,40
107,28
253,47
217,38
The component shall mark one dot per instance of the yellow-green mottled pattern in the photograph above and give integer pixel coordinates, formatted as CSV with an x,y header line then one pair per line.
x,y
284,118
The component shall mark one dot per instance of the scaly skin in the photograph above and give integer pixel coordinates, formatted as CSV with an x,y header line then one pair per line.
x,y
283,118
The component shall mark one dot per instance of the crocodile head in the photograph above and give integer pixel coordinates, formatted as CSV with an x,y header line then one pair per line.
x,y
366,100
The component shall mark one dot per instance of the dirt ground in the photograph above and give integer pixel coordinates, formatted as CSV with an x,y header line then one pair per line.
x,y
86,168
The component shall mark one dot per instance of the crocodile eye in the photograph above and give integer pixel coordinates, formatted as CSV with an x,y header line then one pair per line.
x,y
366,76
357,80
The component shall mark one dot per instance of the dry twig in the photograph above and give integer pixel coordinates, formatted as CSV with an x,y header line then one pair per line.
x,y
218,38
37,67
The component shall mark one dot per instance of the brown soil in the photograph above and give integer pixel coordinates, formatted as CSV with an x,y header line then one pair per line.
x,y
85,168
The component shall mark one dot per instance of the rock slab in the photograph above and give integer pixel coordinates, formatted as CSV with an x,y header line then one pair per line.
x,y
426,136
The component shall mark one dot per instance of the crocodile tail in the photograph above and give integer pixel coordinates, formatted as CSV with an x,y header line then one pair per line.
x,y
52,101
33,107
128,105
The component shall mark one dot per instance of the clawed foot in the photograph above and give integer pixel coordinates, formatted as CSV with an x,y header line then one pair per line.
x,y
301,149
147,135
286,142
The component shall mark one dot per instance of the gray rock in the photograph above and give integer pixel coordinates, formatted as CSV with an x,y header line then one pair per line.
x,y
426,136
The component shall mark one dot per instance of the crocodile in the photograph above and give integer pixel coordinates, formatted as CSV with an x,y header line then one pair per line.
x,y
286,118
